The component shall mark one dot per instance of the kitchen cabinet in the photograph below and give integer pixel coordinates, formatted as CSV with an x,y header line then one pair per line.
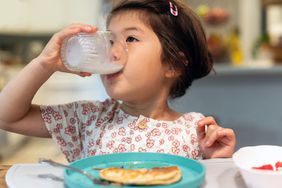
x,y
272,25
45,17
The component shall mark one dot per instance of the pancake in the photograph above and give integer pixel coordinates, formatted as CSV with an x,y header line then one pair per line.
x,y
154,176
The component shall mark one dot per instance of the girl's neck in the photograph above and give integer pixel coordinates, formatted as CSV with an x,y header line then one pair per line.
x,y
154,110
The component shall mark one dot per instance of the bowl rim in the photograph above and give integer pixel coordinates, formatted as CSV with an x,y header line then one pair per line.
x,y
235,159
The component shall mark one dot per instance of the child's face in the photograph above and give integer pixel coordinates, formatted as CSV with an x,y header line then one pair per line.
x,y
143,76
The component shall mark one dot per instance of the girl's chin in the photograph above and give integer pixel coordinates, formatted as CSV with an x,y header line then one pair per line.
x,y
118,96
114,94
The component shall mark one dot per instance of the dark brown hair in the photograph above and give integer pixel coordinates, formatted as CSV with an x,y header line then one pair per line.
x,y
183,40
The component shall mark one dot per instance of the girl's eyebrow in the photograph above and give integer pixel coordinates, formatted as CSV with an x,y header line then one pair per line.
x,y
133,29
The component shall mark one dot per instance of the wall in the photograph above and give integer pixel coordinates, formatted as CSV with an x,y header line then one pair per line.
x,y
247,101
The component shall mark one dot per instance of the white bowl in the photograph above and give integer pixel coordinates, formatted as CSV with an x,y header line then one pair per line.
x,y
255,156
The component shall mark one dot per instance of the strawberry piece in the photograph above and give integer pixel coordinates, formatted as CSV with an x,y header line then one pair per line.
x,y
278,165
264,167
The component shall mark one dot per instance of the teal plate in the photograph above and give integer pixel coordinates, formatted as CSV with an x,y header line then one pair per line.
x,y
193,172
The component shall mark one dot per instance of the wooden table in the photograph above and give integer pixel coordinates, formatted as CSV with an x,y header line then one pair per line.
x,y
3,171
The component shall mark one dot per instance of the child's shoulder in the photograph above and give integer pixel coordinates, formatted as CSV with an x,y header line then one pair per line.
x,y
84,105
193,116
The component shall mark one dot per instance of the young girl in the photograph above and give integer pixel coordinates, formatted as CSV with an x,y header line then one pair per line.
x,y
167,50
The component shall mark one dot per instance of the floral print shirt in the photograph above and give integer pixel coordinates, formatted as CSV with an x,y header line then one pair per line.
x,y
87,128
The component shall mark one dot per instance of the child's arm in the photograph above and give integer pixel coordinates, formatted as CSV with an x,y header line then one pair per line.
x,y
215,141
17,114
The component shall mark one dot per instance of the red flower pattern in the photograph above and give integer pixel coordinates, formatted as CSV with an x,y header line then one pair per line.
x,y
194,139
171,138
61,141
56,130
66,113
175,150
57,116
150,143
74,138
114,134
121,148
121,131
186,148
110,127
70,130
167,132
195,154
92,152
72,121
176,143
138,138
110,144
70,144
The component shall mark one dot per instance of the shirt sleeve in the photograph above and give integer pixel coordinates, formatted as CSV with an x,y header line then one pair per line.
x,y
67,124
192,120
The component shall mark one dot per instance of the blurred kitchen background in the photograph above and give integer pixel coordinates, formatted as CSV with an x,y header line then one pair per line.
x,y
244,92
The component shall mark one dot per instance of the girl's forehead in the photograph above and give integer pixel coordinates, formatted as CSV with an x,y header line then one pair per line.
x,y
126,19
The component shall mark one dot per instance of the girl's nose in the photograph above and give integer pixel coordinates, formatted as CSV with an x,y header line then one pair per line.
x,y
119,52
115,54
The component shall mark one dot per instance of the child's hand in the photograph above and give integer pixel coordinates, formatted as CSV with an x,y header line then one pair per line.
x,y
215,141
50,56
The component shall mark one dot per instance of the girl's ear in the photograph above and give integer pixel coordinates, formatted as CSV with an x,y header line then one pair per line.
x,y
172,72
175,72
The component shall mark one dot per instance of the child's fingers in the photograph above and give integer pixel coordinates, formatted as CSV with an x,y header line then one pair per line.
x,y
227,136
212,134
73,30
85,28
224,136
207,121
201,128
82,27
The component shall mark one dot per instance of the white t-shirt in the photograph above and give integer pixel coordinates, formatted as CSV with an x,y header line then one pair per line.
x,y
88,128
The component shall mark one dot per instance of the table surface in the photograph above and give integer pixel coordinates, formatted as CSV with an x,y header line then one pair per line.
x,y
3,171
219,173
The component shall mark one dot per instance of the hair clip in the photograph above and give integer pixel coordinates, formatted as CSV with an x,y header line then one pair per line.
x,y
173,9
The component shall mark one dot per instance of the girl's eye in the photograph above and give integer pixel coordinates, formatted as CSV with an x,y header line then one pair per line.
x,y
131,39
